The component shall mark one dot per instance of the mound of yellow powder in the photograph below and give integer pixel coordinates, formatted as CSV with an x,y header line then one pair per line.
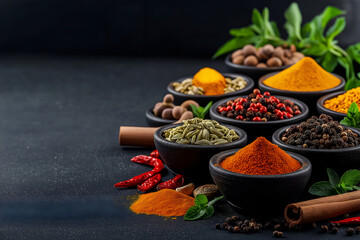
x,y
210,80
342,102
304,76
166,203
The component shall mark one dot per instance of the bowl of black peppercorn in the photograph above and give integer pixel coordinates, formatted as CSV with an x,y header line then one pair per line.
x,y
260,195
192,160
259,123
338,116
325,142
205,99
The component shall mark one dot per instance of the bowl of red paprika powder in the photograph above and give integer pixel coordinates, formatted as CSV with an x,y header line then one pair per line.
x,y
261,189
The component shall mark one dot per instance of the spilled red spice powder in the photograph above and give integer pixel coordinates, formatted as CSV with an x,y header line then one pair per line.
x,y
261,157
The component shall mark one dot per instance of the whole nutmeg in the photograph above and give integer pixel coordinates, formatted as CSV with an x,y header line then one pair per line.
x,y
236,53
167,113
260,55
251,61
261,65
177,112
238,59
274,62
168,98
268,49
248,50
278,52
209,190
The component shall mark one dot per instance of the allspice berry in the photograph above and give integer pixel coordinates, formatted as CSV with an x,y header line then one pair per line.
x,y
248,50
168,98
251,61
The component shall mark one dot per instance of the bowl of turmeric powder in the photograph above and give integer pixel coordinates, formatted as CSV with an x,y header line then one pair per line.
x,y
306,80
261,177
209,85
337,104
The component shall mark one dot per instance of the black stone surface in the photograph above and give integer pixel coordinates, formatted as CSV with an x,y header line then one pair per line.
x,y
59,150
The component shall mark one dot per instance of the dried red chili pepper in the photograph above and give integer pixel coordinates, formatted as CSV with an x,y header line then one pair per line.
x,y
354,220
150,183
135,180
155,154
148,160
176,182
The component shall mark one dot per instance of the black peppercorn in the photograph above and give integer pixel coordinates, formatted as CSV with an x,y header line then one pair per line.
x,y
334,230
324,229
217,226
349,231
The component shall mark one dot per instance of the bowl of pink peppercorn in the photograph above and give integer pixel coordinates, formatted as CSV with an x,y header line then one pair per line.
x,y
259,114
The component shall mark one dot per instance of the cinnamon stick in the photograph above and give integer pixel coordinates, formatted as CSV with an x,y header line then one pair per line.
x,y
137,136
322,208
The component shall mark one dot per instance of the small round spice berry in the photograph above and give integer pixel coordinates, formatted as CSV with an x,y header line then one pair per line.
x,y
239,117
239,107
324,229
334,230
278,234
257,119
349,231
357,229
217,226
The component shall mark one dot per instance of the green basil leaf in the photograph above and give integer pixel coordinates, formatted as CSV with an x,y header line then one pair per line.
x,y
209,211
329,62
322,189
194,213
334,178
200,109
329,13
345,122
354,52
352,83
353,109
357,120
234,44
351,177
242,32
201,200
207,108
316,50
195,110
294,18
212,202
336,29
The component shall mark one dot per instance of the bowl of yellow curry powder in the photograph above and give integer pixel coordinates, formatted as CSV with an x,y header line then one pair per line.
x,y
209,85
306,80
337,104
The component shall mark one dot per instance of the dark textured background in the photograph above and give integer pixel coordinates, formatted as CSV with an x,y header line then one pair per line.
x,y
142,27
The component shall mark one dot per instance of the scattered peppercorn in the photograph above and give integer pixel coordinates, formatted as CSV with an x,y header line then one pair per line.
x,y
217,226
278,234
334,230
349,231
346,215
324,229
320,133
357,229
258,107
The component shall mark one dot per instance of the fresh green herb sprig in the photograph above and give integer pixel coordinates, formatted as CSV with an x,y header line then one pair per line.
x,y
200,112
202,209
336,185
352,118
315,39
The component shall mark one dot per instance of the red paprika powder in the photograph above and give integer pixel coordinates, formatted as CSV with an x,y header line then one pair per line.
x,y
261,157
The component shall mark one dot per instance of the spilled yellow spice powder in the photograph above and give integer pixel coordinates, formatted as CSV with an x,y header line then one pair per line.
x,y
342,102
304,76
166,203
210,80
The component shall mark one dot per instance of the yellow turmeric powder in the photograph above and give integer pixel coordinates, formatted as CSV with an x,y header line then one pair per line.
x,y
342,102
166,203
210,80
304,76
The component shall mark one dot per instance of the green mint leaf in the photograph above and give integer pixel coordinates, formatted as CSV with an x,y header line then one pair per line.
x,y
351,177
329,62
212,202
195,110
356,187
352,83
194,213
207,108
234,44
334,178
335,29
200,109
201,200
294,18
345,188
322,189
346,121
209,211
354,52
328,14
257,19
353,109
318,49
242,32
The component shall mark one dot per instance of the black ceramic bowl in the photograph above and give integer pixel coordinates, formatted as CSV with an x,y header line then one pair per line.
x,y
254,72
321,109
155,121
257,129
310,98
260,194
204,99
339,159
192,160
